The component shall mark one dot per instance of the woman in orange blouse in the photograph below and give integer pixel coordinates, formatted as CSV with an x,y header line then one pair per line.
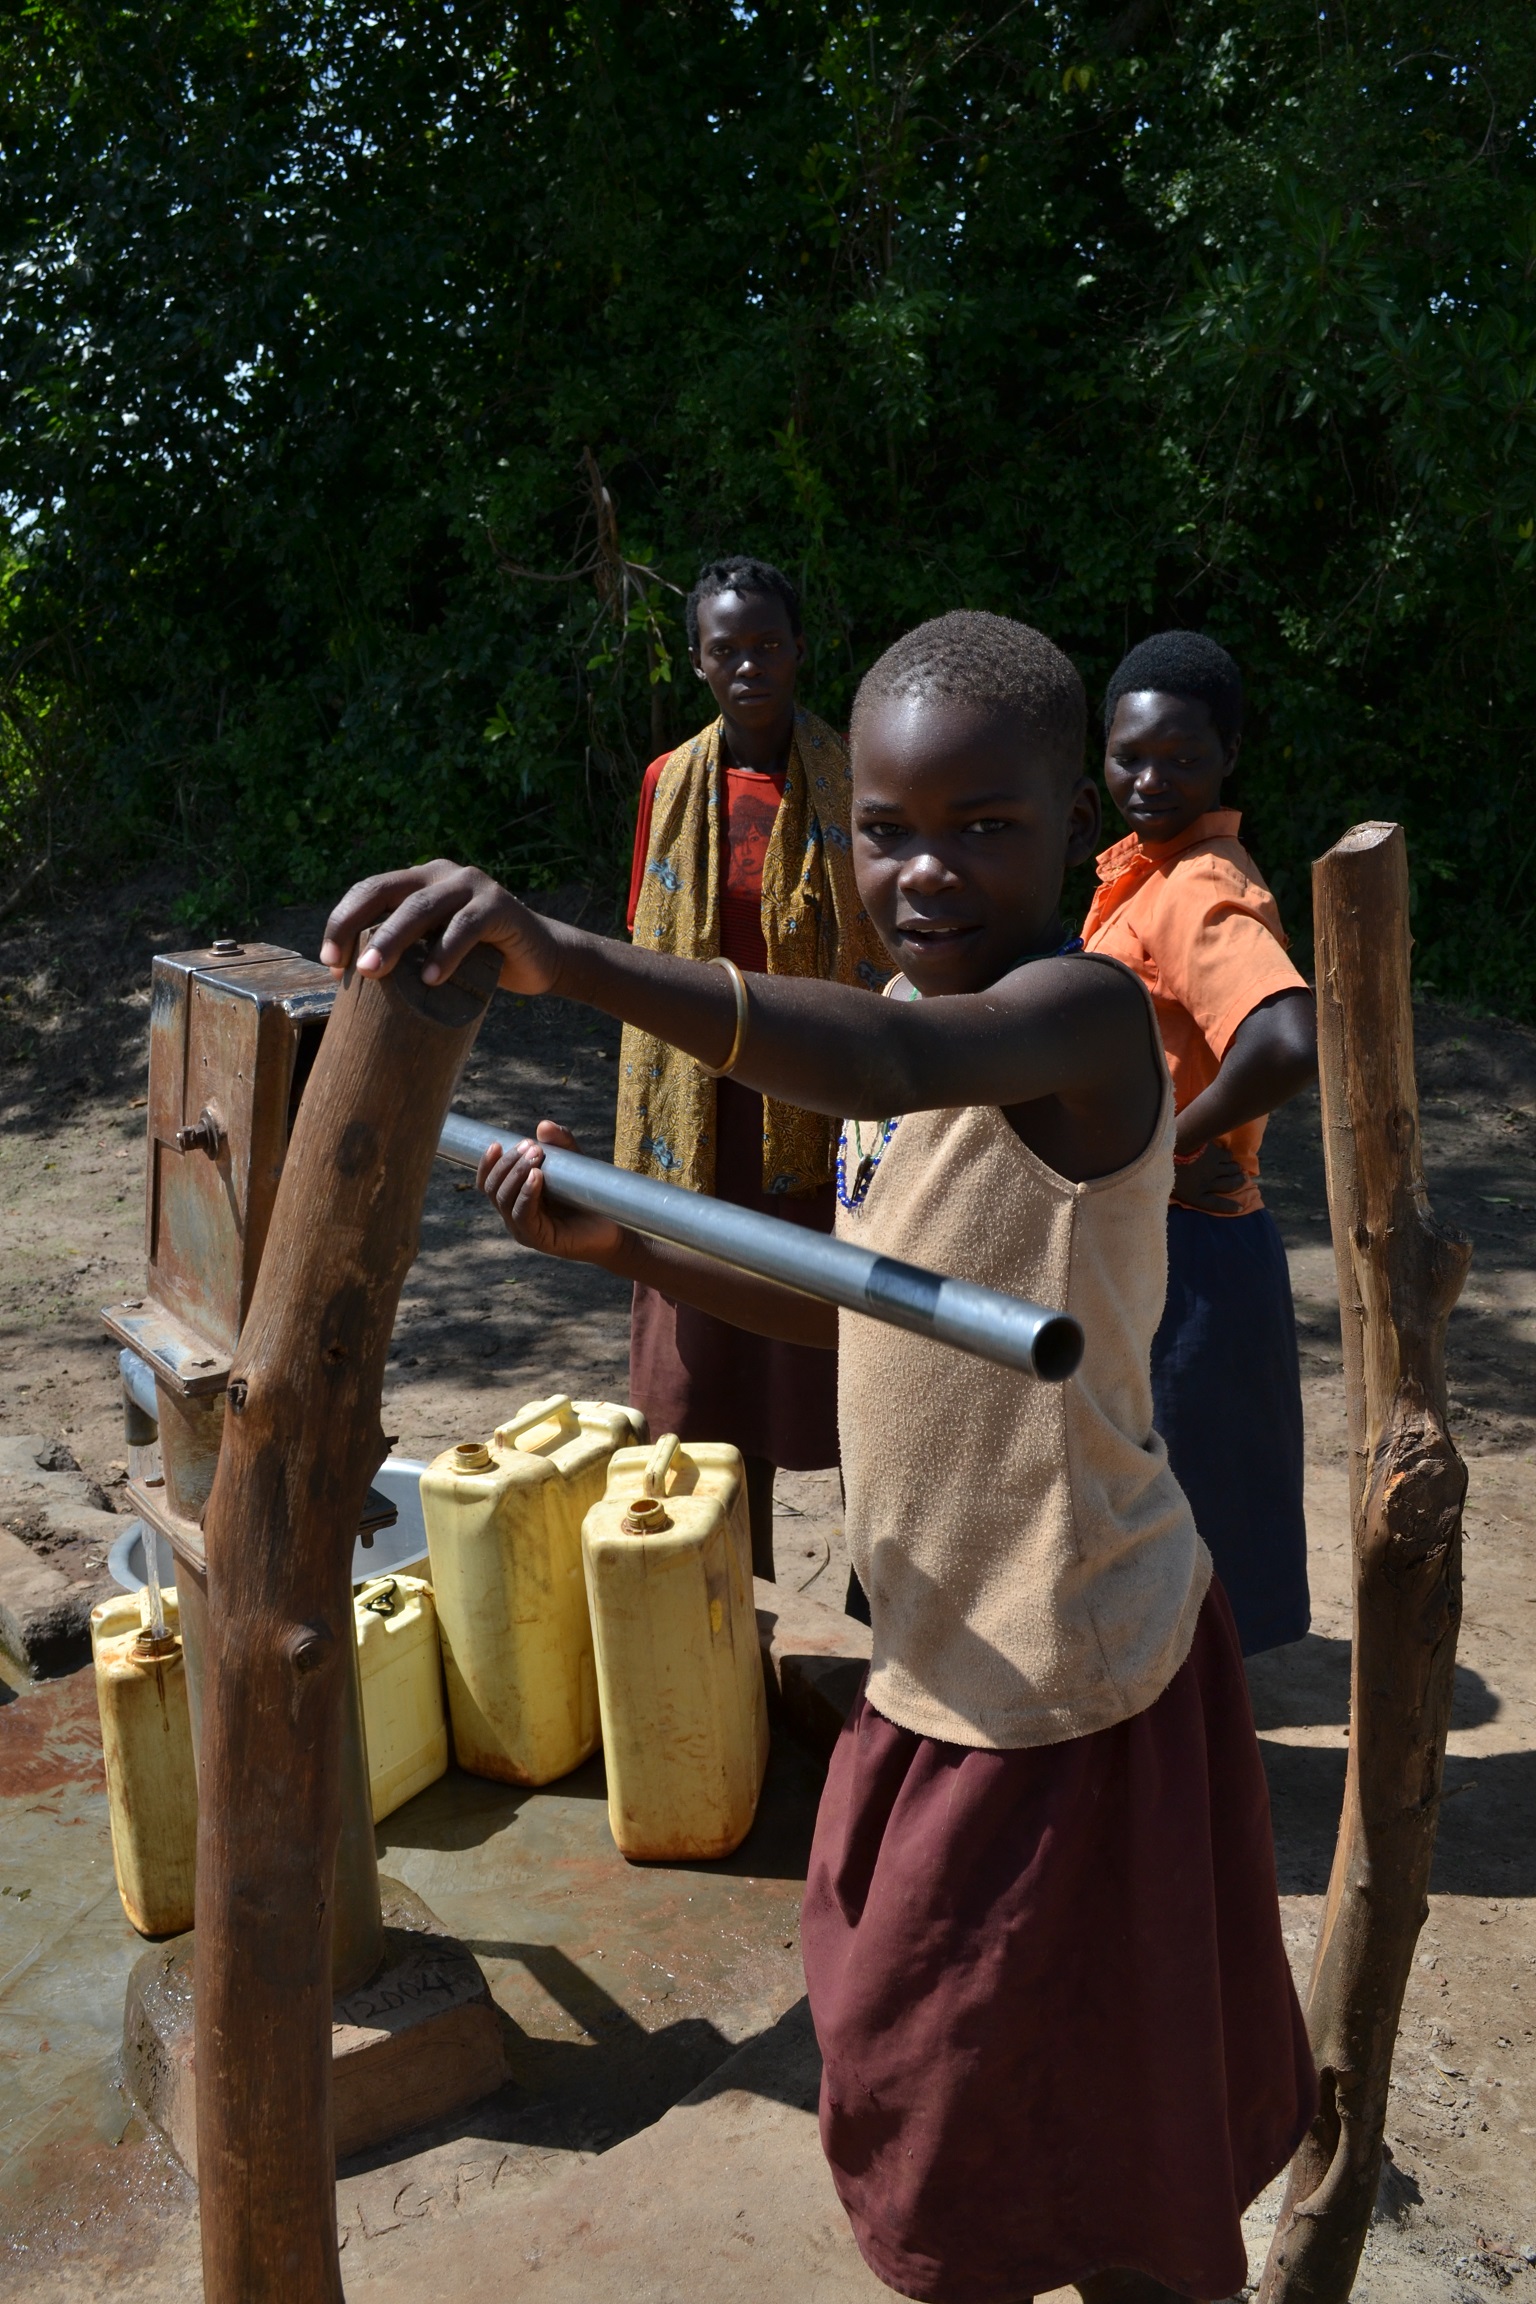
x,y
1182,903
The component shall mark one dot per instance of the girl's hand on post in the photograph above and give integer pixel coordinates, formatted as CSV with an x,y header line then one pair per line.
x,y
514,1183
453,907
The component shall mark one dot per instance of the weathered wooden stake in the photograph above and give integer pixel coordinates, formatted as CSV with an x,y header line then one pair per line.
x,y
1400,1274
301,1442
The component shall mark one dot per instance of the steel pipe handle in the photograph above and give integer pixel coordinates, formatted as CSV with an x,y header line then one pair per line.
x,y
994,1326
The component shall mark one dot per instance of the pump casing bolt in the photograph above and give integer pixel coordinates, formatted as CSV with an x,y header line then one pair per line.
x,y
205,1135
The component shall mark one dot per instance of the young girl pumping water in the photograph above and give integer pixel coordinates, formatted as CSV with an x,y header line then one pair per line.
x,y
1041,1936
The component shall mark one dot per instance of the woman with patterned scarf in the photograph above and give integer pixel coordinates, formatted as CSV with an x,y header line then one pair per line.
x,y
742,853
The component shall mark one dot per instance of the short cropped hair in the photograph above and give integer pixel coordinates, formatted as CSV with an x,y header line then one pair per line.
x,y
1186,664
973,657
753,579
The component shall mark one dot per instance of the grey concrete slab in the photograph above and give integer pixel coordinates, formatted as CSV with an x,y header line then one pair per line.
x,y
727,2197
623,1985
619,1988
728,2200
815,1659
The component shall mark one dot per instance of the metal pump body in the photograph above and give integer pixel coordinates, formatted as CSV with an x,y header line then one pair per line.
x,y
233,1034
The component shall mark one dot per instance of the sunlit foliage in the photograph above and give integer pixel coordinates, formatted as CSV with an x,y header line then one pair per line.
x,y
373,374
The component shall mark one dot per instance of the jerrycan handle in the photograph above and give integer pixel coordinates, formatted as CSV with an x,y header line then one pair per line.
x,y
557,1409
659,1468
647,1514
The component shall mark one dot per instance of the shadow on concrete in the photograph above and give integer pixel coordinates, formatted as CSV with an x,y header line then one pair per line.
x,y
589,2094
1306,1685
1486,1844
778,1845
462,1811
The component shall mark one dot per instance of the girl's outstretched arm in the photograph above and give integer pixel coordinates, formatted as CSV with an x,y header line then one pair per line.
x,y
1072,1029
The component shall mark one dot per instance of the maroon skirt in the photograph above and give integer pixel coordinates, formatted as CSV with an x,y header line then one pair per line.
x,y
1057,2022
705,1380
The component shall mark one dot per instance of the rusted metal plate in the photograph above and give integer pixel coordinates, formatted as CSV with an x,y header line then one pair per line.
x,y
232,1038
191,1434
148,1498
312,1006
180,1358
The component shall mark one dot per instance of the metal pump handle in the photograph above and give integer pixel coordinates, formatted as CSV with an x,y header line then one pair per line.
x,y
1006,1329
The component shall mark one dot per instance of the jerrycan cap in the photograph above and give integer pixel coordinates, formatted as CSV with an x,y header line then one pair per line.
x,y
153,1647
472,1456
647,1516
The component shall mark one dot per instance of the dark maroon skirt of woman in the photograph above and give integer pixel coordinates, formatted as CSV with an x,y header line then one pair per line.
x,y
705,1380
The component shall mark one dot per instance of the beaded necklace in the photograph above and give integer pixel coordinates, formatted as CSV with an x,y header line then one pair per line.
x,y
869,1161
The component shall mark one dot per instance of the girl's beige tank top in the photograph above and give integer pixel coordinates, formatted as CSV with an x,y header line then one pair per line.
x,y
1032,1564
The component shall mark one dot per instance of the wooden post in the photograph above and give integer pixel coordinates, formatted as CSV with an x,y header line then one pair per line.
x,y
301,1442
1400,1273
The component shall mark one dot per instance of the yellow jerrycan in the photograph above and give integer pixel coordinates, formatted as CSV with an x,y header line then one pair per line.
x,y
404,1725
668,1557
146,1742
504,1539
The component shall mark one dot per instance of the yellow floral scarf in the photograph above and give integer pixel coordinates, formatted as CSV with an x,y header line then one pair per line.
x,y
813,925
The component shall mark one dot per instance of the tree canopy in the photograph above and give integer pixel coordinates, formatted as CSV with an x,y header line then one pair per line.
x,y
375,376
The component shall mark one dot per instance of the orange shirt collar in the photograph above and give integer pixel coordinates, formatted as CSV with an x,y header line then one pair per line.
x,y
1215,824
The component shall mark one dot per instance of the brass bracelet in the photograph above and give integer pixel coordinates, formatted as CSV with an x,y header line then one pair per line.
x,y
738,1039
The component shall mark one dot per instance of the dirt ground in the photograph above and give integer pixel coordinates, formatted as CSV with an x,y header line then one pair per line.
x,y
483,1327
